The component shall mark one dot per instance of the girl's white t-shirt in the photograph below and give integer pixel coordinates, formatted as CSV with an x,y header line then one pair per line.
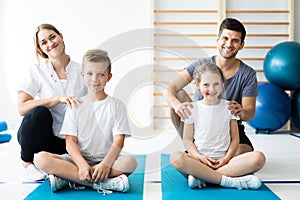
x,y
211,128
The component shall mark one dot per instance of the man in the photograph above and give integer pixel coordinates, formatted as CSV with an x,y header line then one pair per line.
x,y
240,86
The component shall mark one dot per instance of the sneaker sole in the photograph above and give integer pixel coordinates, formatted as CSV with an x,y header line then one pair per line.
x,y
52,180
126,183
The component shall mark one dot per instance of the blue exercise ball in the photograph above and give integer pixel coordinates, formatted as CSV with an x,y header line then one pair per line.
x,y
295,113
282,65
273,108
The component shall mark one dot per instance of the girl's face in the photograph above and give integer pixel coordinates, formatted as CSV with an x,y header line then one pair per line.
x,y
229,43
95,76
211,86
51,43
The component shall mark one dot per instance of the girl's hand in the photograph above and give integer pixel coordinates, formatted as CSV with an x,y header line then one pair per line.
x,y
209,162
222,162
101,172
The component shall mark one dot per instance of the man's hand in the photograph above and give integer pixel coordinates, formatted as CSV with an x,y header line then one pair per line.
x,y
183,110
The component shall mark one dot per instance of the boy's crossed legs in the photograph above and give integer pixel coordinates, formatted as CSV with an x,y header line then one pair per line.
x,y
63,171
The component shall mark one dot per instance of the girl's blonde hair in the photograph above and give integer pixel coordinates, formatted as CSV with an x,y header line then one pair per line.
x,y
211,67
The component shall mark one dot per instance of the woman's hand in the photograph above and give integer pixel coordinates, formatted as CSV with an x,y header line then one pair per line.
x,y
71,101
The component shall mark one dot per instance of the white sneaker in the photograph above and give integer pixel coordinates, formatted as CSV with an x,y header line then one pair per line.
x,y
57,183
119,183
251,182
194,182
35,174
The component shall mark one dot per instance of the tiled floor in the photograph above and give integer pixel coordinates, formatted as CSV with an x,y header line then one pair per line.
x,y
281,170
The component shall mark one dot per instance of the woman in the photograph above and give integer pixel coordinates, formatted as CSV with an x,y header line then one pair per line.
x,y
43,96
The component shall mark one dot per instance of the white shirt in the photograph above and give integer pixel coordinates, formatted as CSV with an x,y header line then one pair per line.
x,y
211,128
94,124
42,82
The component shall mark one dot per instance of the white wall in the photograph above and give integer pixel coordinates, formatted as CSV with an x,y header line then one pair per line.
x,y
85,24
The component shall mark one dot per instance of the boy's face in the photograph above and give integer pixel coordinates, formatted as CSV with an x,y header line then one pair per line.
x,y
95,76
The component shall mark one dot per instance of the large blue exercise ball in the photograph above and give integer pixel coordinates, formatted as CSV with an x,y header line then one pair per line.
x,y
273,108
295,113
282,65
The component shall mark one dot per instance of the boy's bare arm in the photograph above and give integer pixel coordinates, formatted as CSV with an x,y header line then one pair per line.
x,y
85,171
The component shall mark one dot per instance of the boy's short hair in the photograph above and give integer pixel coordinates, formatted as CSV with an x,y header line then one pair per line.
x,y
96,55
234,25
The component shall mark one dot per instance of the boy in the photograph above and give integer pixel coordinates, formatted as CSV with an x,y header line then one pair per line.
x,y
95,133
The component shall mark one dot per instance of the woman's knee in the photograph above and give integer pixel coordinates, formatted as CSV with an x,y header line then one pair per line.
x,y
41,114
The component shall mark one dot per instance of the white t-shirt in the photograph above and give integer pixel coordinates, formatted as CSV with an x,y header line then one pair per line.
x,y
94,124
211,128
42,82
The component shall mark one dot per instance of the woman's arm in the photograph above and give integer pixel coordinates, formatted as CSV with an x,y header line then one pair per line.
x,y
27,102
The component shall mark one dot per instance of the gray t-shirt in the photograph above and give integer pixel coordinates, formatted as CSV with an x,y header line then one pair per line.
x,y
242,84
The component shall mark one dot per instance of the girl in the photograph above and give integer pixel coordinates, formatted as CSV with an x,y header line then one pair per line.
x,y
211,139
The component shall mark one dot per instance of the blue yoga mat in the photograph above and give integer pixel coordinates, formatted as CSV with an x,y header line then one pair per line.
x,y
174,186
136,181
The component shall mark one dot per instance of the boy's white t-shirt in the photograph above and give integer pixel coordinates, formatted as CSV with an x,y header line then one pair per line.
x,y
211,128
94,124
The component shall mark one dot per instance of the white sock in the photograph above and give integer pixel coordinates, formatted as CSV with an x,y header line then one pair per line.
x,y
226,181
242,182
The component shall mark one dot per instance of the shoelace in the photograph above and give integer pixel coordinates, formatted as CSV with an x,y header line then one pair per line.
x,y
73,186
104,191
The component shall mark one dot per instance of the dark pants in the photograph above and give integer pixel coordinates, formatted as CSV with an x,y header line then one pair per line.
x,y
243,137
36,134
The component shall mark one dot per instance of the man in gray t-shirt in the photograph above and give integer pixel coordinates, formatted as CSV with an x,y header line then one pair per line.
x,y
240,86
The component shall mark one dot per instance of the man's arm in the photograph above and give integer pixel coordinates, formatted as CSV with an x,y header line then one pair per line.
x,y
246,112
170,94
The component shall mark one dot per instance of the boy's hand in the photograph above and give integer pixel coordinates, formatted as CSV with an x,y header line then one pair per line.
x,y
101,172
84,173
